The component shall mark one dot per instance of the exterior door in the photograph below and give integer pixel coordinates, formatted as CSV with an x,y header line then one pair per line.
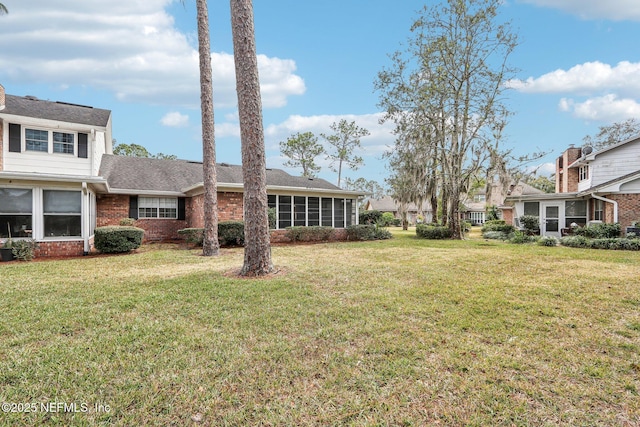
x,y
551,219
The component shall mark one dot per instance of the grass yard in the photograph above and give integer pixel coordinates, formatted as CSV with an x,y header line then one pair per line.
x,y
399,332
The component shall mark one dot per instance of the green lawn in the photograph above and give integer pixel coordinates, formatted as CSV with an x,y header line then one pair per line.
x,y
398,332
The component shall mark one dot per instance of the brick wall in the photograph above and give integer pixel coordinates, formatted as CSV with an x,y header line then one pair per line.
x,y
230,206
567,179
194,211
111,208
628,208
56,249
507,216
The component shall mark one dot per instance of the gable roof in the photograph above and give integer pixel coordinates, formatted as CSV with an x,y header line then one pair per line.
x,y
619,180
29,106
130,174
387,204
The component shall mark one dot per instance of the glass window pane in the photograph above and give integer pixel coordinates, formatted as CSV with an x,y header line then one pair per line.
x,y
62,201
532,208
300,211
284,211
271,201
576,208
20,226
62,225
63,143
350,212
37,140
314,211
15,200
338,212
327,212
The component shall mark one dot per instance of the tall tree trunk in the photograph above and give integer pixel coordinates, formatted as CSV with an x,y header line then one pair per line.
x,y
257,247
210,245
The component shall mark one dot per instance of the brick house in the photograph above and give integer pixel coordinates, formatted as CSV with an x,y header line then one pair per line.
x,y
591,186
59,181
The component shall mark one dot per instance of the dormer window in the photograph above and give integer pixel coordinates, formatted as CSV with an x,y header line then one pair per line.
x,y
62,143
38,140
583,173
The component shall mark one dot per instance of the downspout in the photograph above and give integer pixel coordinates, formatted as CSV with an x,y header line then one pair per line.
x,y
613,202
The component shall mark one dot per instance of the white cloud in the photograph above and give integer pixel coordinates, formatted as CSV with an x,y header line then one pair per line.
x,y
175,119
130,48
589,77
379,140
617,10
608,108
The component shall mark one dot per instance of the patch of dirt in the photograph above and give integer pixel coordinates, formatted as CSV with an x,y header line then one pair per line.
x,y
235,274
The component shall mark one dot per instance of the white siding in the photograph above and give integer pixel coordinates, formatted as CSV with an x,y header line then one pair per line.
x,y
615,163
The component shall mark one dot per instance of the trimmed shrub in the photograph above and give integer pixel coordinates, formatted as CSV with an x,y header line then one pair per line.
x,y
575,241
387,220
369,217
118,239
127,222
24,249
548,241
495,235
231,233
599,231
309,234
367,232
531,223
520,237
193,235
497,225
431,231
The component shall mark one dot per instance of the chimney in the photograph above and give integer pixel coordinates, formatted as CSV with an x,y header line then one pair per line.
x,y
2,98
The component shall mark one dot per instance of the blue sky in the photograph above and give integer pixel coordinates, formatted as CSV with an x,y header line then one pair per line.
x,y
578,61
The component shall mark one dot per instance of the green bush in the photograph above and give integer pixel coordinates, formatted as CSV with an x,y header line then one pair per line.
x,y
599,231
531,223
495,235
387,220
610,243
497,225
369,217
519,237
367,232
309,234
192,235
128,222
118,239
271,213
431,231
548,241
24,249
231,233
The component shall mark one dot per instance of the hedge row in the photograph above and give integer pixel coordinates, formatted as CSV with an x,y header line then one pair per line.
x,y
117,239
433,232
230,233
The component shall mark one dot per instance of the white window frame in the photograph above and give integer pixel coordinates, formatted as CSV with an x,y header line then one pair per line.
x,y
583,173
157,204
50,140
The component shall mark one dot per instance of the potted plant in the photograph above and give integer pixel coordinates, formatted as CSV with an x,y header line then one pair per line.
x,y
6,251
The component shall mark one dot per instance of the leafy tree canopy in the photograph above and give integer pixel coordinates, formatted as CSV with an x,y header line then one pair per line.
x,y
302,150
135,150
612,134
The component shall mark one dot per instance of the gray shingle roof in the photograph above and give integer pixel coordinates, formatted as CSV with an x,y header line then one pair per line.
x,y
60,111
139,173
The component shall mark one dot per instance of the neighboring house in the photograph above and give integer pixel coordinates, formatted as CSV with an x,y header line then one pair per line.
x,y
387,204
591,187
59,181
475,206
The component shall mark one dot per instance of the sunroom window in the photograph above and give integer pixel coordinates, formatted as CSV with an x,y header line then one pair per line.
x,y
62,213
575,211
16,212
